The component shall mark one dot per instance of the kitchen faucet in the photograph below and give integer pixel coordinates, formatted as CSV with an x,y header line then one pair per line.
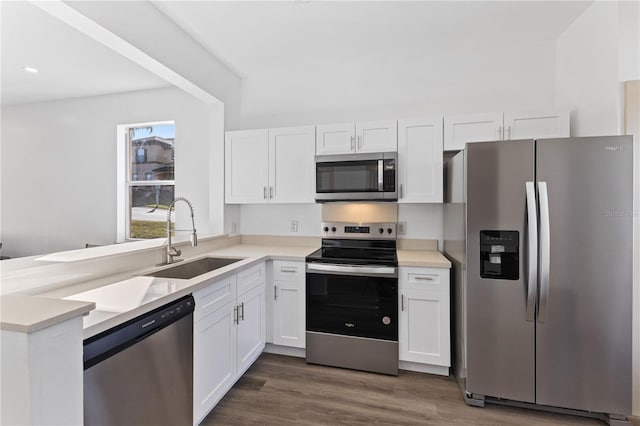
x,y
172,251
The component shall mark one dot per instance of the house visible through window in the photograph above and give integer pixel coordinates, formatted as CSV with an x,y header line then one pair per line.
x,y
150,156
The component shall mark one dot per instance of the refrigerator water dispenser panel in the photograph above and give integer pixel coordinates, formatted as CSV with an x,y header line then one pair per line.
x,y
499,255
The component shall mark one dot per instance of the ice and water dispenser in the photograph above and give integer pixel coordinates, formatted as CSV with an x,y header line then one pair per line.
x,y
499,255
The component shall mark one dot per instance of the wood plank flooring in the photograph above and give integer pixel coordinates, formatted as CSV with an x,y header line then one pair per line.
x,y
281,390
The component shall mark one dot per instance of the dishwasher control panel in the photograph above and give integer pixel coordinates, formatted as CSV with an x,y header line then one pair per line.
x,y
120,337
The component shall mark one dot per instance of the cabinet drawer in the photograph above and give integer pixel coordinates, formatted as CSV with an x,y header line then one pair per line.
x,y
251,277
214,296
288,270
424,278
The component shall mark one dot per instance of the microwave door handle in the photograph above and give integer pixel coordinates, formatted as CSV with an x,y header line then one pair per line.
x,y
380,175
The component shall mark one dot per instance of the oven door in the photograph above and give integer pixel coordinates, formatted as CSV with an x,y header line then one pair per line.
x,y
352,300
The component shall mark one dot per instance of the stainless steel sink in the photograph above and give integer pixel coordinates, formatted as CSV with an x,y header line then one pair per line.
x,y
189,270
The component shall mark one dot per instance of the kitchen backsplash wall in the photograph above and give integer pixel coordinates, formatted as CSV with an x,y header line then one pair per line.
x,y
417,221
359,212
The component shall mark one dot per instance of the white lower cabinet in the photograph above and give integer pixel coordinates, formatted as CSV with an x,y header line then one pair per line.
x,y
424,325
228,335
289,303
251,327
214,359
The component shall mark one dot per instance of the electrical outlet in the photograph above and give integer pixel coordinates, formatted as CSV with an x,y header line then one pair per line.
x,y
402,228
294,226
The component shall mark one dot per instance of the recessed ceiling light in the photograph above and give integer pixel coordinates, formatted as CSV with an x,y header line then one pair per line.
x,y
32,70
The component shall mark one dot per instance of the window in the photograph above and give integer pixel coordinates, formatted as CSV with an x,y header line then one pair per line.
x,y
148,189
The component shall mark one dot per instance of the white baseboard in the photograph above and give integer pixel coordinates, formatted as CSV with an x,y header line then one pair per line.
x,y
285,350
423,368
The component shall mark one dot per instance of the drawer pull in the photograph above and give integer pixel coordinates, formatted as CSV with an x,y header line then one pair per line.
x,y
288,270
421,278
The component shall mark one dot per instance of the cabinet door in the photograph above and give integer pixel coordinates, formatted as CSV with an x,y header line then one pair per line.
x,y
246,166
291,165
460,129
536,124
377,136
420,146
335,139
214,359
251,277
251,327
424,316
289,303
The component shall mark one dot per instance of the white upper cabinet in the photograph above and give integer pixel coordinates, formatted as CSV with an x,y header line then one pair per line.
x,y
335,139
246,166
420,143
536,124
270,166
377,136
350,138
291,165
459,129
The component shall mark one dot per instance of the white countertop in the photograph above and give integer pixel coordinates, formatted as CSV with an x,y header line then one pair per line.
x,y
123,300
129,295
423,258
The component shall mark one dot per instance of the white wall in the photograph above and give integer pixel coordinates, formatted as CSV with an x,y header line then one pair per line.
x,y
453,79
275,219
587,71
147,28
629,40
59,166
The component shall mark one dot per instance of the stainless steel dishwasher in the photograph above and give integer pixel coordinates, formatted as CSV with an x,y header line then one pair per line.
x,y
141,372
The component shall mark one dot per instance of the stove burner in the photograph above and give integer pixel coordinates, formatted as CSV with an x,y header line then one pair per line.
x,y
357,244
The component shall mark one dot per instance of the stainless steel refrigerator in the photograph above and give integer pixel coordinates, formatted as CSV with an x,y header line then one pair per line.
x,y
540,234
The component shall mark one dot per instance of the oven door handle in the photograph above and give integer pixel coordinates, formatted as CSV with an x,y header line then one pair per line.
x,y
332,268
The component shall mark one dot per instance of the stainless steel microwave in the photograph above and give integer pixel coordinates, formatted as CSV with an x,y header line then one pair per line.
x,y
357,177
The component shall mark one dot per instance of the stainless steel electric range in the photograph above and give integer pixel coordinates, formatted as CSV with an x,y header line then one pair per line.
x,y
352,298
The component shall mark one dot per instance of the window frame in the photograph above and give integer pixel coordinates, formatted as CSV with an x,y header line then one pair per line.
x,y
125,181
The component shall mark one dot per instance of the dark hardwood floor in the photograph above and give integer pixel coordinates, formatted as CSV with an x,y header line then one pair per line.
x,y
280,390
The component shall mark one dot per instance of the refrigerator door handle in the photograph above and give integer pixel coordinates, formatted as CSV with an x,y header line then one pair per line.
x,y
532,239
545,251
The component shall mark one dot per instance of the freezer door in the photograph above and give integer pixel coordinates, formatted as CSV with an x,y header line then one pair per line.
x,y
500,335
583,349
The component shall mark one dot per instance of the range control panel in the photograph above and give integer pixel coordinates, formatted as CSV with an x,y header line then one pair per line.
x,y
376,231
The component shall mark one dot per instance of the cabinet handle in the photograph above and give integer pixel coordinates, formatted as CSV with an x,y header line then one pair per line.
x,y
509,132
400,190
420,278
499,132
242,314
402,302
359,142
275,292
352,145
264,192
271,192
235,314
288,270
